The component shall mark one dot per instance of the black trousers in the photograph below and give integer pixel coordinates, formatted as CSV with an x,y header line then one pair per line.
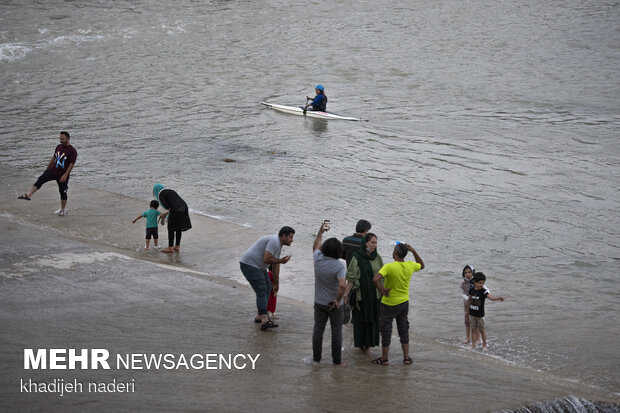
x,y
388,314
335,316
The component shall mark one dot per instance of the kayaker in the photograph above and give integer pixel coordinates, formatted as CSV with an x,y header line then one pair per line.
x,y
319,102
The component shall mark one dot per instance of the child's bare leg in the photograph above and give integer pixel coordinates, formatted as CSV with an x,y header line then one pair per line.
x,y
483,334
155,240
474,338
467,335
467,330
147,242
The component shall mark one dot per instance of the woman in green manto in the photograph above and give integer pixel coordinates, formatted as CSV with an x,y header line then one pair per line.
x,y
364,298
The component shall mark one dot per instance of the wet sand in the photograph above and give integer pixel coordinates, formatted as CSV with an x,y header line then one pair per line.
x,y
78,282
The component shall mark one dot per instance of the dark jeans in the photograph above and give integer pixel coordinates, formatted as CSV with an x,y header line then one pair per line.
x,y
259,280
321,314
388,314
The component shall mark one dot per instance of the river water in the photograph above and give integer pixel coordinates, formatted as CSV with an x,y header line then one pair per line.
x,y
492,140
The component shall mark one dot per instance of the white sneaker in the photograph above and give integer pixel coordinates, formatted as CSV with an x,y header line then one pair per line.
x,y
60,213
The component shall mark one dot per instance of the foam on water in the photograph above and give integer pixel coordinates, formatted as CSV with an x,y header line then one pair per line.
x,y
568,404
36,264
12,51
72,39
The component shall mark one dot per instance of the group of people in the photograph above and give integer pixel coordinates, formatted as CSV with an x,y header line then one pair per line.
x,y
177,213
474,294
374,292
63,160
377,293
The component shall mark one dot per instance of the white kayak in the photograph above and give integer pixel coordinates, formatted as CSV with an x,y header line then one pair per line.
x,y
298,110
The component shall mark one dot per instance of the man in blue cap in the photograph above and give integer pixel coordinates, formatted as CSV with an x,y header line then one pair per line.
x,y
319,102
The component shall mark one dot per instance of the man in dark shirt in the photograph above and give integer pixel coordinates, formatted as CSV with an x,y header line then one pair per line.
x,y
58,170
349,246
352,243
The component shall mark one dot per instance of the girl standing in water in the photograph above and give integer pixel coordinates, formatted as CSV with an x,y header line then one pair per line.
x,y
466,285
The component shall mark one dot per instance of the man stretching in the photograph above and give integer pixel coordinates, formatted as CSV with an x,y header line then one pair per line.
x,y
58,170
395,302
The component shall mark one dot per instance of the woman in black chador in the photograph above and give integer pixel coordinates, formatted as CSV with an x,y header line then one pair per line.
x,y
177,213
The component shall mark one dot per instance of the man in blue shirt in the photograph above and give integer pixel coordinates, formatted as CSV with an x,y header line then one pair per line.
x,y
319,103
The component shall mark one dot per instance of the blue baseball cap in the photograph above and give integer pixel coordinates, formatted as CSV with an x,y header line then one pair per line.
x,y
320,87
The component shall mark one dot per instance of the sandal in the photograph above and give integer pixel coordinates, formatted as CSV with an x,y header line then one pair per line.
x,y
268,324
380,361
256,320
408,360
25,196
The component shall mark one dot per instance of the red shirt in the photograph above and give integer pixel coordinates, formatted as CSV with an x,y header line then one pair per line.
x,y
63,157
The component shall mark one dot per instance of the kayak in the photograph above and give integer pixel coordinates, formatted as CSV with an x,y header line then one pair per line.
x,y
298,110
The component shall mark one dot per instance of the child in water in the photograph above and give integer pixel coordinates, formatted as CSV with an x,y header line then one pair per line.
x,y
466,285
477,295
273,297
151,224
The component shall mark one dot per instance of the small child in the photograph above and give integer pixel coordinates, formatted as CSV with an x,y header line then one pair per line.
x,y
151,224
477,295
273,298
466,285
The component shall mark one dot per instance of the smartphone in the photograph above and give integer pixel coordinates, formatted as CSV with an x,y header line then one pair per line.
x,y
326,224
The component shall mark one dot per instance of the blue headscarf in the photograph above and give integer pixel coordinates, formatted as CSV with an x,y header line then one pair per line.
x,y
156,190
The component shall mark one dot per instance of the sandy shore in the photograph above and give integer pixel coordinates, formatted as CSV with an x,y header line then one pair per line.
x,y
78,282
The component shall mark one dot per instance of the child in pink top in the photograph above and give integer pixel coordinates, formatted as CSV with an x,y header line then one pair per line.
x,y
273,297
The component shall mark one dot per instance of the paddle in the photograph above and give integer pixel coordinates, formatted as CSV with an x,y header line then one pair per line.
x,y
306,107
